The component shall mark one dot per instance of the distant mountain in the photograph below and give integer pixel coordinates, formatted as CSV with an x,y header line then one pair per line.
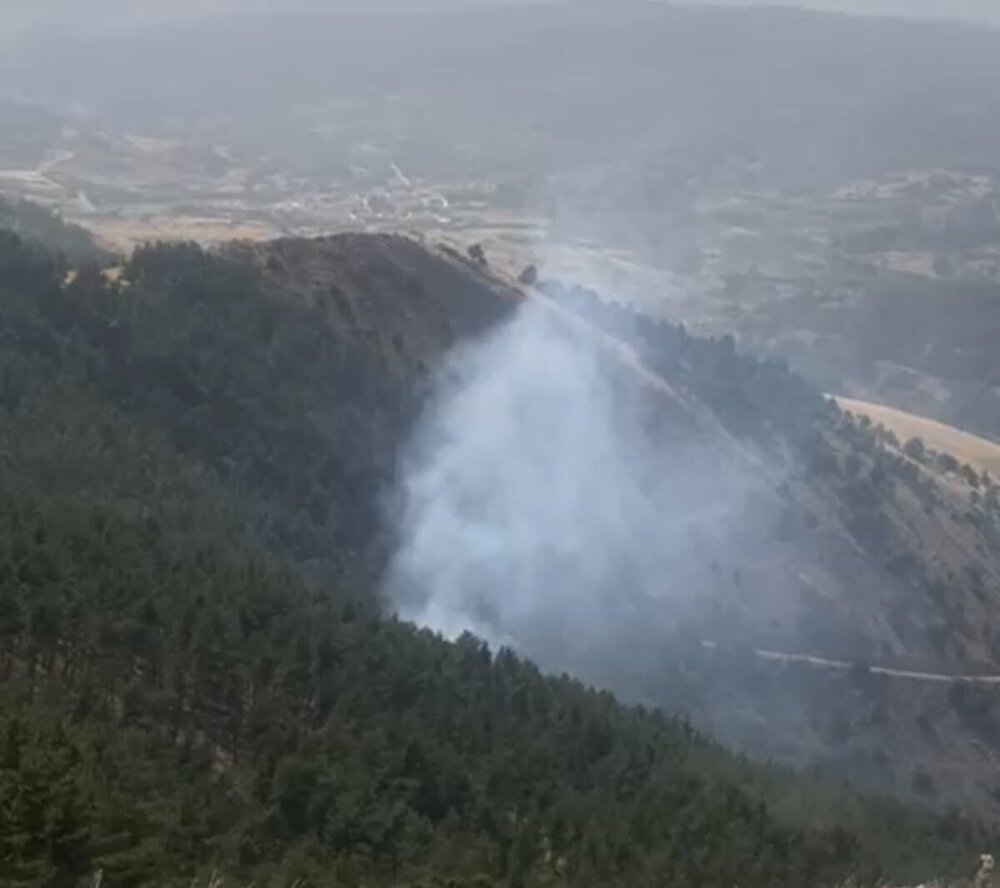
x,y
798,97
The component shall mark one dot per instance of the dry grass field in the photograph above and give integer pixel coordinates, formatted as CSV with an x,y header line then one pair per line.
x,y
980,453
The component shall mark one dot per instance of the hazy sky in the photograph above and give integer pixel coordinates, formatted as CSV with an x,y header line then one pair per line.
x,y
77,10
975,10
21,14
21,17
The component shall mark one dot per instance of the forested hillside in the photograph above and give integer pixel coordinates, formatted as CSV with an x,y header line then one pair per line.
x,y
34,223
172,709
184,395
197,674
913,538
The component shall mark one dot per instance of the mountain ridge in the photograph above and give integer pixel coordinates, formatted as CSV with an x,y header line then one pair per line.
x,y
878,546
199,406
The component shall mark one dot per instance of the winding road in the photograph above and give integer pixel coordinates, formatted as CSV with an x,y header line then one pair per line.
x,y
823,662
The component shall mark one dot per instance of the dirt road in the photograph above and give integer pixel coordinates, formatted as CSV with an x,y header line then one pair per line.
x,y
823,662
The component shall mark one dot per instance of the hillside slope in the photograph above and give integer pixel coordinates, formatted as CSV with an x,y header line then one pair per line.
x,y
256,397
34,223
850,550
171,711
173,707
980,453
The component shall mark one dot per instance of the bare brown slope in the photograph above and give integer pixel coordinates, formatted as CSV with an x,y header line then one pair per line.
x,y
406,300
854,560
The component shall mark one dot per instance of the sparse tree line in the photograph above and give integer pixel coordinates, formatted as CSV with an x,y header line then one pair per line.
x,y
758,399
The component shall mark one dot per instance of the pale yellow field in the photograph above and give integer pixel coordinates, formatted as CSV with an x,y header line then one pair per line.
x,y
124,234
981,453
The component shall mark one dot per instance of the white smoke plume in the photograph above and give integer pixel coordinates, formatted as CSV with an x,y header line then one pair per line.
x,y
539,505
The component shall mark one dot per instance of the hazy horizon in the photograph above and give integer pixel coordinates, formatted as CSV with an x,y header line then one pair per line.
x,y
983,11
28,14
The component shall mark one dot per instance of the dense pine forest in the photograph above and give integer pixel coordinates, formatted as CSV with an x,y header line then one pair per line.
x,y
198,678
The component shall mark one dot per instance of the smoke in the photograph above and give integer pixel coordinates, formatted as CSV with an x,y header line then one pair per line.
x,y
544,502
